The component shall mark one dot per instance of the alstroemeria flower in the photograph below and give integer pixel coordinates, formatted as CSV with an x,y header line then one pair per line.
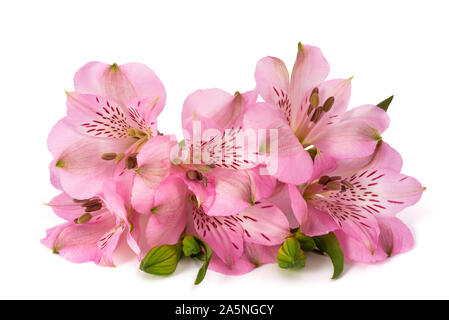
x,y
223,181
358,200
312,113
110,116
240,241
93,229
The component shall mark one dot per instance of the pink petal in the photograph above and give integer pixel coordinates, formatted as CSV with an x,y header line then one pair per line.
x,y
65,207
356,134
222,234
264,224
120,83
153,167
287,161
169,214
394,236
272,82
309,70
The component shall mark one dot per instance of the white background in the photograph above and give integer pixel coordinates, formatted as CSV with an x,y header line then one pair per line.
x,y
390,47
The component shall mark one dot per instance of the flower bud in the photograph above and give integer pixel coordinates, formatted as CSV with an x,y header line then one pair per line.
x,y
190,246
290,255
162,260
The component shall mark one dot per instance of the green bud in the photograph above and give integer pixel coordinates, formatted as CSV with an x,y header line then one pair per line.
x,y
190,246
290,255
385,104
162,260
307,243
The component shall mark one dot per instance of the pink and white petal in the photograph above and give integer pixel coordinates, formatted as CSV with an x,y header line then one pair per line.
x,y
222,234
233,192
285,157
114,201
264,224
381,192
355,135
310,69
272,79
259,254
65,207
318,223
169,214
54,175
395,237
298,204
107,245
384,156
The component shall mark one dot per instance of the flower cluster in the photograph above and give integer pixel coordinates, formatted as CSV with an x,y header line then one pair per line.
x,y
263,176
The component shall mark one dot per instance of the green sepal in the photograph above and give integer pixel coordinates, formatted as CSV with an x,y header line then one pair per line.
x,y
290,255
162,260
385,104
329,244
307,243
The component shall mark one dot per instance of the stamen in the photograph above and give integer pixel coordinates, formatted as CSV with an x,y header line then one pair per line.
x,y
314,100
317,115
108,156
131,161
192,175
324,180
347,184
343,188
95,207
334,178
315,90
333,186
328,104
80,200
204,180
83,218
90,202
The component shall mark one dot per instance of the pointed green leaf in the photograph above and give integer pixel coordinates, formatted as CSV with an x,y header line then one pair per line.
x,y
290,255
330,245
205,255
385,104
162,260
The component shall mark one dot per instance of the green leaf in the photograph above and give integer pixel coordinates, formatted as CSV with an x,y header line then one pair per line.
x,y
330,245
162,260
385,104
190,246
205,255
290,255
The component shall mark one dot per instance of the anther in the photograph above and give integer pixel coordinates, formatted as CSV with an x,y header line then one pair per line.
x,y
314,100
204,180
317,114
315,90
95,207
90,202
347,184
333,186
108,156
192,175
310,109
328,104
80,200
334,178
324,180
343,188
83,218
131,161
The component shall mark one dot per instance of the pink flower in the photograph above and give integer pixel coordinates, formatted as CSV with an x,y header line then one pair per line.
x,y
239,242
210,166
311,113
358,200
93,229
110,116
